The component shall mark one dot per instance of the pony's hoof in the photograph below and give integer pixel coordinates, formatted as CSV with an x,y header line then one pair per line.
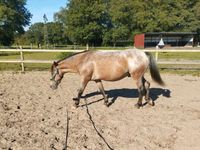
x,y
75,99
138,105
106,104
151,103
75,105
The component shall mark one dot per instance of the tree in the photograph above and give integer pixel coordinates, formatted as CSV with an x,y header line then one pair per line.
x,y
35,34
121,18
87,21
45,30
163,16
56,33
110,21
13,18
84,20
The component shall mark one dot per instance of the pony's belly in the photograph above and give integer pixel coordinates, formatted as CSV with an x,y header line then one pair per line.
x,y
111,77
116,78
110,70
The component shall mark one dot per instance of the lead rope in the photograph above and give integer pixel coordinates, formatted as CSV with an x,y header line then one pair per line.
x,y
94,126
67,125
90,117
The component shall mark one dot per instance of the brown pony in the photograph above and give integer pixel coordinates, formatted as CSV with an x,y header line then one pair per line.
x,y
109,66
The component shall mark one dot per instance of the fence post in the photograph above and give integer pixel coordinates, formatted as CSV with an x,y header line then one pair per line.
x,y
22,59
156,54
87,46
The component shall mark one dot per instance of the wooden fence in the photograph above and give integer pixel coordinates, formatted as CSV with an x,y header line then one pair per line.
x,y
22,61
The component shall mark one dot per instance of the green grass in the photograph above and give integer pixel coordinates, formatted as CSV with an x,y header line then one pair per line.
x,y
10,67
69,47
178,56
9,55
182,72
180,69
37,67
29,56
57,56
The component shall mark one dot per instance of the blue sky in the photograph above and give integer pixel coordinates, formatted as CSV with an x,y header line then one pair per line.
x,y
40,7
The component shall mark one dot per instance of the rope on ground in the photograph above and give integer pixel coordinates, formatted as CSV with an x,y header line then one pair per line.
x,y
67,132
98,133
90,117
67,126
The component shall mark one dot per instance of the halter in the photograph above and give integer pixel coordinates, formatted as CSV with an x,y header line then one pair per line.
x,y
54,75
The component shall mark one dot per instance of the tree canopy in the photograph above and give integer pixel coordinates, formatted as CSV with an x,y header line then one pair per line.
x,y
84,20
36,34
107,22
13,18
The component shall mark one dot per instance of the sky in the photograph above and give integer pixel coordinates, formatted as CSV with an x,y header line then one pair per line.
x,y
40,7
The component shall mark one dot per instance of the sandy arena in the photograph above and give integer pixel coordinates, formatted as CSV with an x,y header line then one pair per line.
x,y
33,117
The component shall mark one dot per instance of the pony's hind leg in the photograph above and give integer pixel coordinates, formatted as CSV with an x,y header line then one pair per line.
x,y
101,88
147,97
140,91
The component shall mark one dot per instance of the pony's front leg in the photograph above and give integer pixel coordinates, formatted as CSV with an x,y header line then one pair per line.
x,y
77,99
101,88
80,92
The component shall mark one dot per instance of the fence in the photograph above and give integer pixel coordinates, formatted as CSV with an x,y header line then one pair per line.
x,y
22,61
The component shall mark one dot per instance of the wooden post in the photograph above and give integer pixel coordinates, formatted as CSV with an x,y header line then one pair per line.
x,y
156,54
22,59
87,46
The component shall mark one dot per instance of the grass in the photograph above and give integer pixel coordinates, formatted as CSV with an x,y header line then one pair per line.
x,y
180,69
178,56
72,47
10,67
28,56
56,56
182,72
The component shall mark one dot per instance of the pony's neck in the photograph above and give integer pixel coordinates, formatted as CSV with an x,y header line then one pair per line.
x,y
69,65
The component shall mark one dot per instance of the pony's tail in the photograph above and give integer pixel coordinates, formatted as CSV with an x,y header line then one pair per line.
x,y
155,75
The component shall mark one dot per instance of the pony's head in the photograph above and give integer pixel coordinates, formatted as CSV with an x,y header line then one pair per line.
x,y
56,76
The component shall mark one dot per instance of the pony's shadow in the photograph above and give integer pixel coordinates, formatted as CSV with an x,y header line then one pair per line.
x,y
129,93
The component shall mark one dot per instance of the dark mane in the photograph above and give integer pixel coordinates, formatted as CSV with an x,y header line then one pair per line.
x,y
73,54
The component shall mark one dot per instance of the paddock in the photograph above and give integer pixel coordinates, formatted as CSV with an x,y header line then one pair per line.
x,y
34,117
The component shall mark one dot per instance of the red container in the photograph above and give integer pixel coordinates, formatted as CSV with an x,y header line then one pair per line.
x,y
139,40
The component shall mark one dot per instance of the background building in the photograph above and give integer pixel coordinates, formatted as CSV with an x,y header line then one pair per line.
x,y
170,39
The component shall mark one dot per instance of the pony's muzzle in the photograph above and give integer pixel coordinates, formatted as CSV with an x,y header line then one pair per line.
x,y
53,85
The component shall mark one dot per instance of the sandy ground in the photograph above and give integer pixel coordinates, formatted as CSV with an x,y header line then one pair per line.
x,y
33,117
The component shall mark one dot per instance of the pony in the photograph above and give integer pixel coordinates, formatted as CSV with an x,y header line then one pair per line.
x,y
108,66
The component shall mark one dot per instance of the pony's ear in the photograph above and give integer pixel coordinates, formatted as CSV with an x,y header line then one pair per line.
x,y
55,63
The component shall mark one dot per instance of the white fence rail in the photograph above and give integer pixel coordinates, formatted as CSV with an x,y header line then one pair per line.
x,y
157,51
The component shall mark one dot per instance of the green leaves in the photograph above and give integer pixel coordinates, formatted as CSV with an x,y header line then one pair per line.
x,y
52,32
83,20
13,17
109,22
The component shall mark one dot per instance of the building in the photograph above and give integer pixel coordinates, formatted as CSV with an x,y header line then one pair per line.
x,y
170,39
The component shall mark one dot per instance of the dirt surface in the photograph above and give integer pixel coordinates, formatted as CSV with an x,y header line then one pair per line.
x,y
33,117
